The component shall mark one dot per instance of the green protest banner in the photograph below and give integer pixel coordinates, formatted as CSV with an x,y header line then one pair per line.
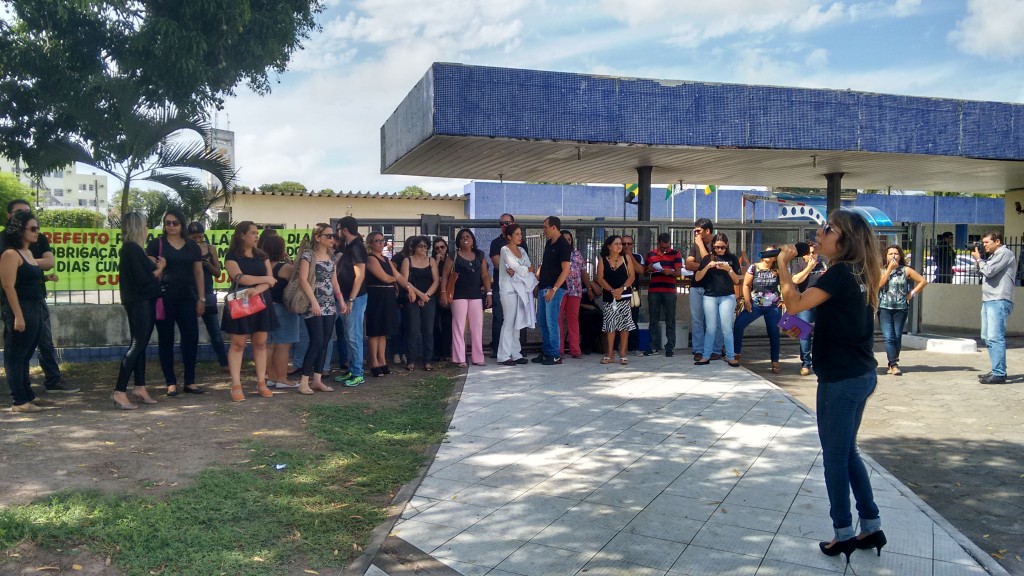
x,y
87,258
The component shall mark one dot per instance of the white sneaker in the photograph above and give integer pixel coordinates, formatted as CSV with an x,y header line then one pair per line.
x,y
274,384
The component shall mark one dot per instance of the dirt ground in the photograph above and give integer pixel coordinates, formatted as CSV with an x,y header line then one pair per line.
x,y
84,444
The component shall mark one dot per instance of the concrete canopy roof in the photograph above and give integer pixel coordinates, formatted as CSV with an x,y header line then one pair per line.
x,y
523,125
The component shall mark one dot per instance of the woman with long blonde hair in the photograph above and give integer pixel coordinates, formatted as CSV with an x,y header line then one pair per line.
x,y
846,297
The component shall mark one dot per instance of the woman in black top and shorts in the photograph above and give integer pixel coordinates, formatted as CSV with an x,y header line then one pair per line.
x,y
846,297
615,276
139,285
381,304
24,308
184,299
250,272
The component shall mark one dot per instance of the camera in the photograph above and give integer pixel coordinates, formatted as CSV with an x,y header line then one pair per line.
x,y
974,246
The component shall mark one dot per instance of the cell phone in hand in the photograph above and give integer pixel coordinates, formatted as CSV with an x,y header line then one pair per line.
x,y
789,321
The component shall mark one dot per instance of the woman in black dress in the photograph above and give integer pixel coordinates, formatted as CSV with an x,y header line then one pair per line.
x,y
250,271
140,284
381,304
183,299
443,318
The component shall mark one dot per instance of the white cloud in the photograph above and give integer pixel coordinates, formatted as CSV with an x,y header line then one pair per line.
x,y
817,59
991,28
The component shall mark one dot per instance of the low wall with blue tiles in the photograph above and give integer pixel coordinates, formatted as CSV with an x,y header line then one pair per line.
x,y
489,200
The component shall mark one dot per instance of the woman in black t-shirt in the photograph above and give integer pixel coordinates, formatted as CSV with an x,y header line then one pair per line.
x,y
472,289
719,273
183,299
846,297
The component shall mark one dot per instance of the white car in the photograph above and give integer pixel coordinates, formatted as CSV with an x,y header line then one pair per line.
x,y
964,270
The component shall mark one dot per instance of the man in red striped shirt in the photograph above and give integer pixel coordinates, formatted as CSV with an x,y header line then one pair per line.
x,y
664,264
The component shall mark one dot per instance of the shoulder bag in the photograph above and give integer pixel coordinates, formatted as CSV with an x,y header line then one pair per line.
x,y
295,299
449,287
239,305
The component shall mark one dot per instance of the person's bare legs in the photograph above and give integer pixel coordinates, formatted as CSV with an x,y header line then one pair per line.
x,y
259,356
235,351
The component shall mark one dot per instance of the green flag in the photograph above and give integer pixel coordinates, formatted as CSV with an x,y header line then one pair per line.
x,y
710,189
668,193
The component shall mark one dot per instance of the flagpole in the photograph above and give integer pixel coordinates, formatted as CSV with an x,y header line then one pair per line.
x,y
716,204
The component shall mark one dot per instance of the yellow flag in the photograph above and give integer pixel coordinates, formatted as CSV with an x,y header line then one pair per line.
x,y
710,189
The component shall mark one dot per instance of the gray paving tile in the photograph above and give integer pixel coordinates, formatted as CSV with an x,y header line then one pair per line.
x,y
643,550
567,484
537,559
888,564
776,568
481,549
952,569
698,561
440,488
374,571
815,528
453,514
947,550
426,537
464,472
692,508
803,552
664,524
581,539
733,539
748,517
485,496
609,565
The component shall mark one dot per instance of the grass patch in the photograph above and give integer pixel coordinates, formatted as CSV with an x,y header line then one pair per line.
x,y
252,518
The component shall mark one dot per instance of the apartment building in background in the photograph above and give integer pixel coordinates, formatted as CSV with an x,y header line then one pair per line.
x,y
67,188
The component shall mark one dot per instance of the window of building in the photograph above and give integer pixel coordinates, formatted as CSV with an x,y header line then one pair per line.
x,y
81,187
83,202
58,191
90,187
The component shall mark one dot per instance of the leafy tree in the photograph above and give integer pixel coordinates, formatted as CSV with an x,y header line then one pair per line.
x,y
54,55
77,218
413,192
137,142
11,188
327,192
151,203
286,187
196,203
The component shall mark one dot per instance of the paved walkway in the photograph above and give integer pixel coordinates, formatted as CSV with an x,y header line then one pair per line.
x,y
658,468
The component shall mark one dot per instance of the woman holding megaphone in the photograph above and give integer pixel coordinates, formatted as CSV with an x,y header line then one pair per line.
x,y
846,297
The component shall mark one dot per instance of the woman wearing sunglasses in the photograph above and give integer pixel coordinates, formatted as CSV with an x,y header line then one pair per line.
x,y
183,296
719,273
846,297
23,308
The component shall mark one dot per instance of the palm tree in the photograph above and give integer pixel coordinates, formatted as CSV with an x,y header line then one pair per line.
x,y
134,140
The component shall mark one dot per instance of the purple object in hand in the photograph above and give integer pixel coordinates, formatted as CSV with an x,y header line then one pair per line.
x,y
789,321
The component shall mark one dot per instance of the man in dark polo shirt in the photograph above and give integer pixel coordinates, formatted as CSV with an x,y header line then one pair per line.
x,y
41,251
351,278
497,312
554,270
664,264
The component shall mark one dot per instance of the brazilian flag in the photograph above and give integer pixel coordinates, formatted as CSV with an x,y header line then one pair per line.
x,y
632,192
710,189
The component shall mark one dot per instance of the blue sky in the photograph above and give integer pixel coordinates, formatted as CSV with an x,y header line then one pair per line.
x,y
321,125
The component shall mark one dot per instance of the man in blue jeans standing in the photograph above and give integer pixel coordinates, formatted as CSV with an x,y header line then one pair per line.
x,y
351,276
554,270
998,272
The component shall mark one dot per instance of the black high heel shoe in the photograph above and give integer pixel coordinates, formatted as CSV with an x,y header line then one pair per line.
x,y
843,547
385,371
874,540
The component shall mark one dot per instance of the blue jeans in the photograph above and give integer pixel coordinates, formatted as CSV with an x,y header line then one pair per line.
x,y
354,335
719,313
662,306
771,314
993,331
840,408
892,322
805,345
547,320
697,322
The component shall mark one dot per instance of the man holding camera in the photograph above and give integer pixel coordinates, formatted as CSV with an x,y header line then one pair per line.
x,y
997,272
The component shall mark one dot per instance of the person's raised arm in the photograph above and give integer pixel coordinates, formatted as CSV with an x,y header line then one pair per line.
x,y
795,300
809,265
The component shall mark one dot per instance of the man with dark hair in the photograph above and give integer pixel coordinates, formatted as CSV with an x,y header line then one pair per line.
x,y
497,313
664,264
554,271
703,229
997,289
352,280
53,381
944,257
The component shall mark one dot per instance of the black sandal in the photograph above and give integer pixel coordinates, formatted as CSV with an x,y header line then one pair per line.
x,y
192,390
174,392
